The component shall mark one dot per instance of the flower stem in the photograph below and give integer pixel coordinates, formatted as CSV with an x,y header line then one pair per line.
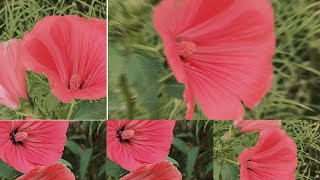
x,y
233,162
167,77
145,48
71,109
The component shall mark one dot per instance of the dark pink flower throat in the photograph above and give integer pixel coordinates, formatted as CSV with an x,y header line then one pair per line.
x,y
125,135
18,137
252,165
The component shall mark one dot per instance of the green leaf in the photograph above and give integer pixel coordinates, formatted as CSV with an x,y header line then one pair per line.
x,y
209,168
73,147
6,171
65,163
174,89
102,169
113,101
216,169
229,172
85,157
180,145
143,75
117,62
173,161
114,170
191,160
51,101
86,110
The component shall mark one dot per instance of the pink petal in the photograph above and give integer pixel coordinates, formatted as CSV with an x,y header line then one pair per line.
x,y
150,144
51,172
232,63
275,155
13,84
257,125
162,171
43,146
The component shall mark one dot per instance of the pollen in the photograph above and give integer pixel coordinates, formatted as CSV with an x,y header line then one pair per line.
x,y
75,82
252,165
185,48
21,136
127,134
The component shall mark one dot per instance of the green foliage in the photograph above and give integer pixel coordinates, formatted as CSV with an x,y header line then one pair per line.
x,y
7,172
86,149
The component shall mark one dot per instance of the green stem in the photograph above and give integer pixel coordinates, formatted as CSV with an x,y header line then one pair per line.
x,y
173,112
127,93
145,48
167,77
71,109
233,162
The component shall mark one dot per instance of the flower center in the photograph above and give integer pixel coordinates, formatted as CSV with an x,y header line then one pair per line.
x,y
125,135
17,137
75,82
252,165
185,48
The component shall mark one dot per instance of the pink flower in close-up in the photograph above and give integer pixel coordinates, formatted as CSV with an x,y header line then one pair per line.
x,y
131,143
220,50
161,171
256,125
274,157
71,52
52,172
26,144
13,83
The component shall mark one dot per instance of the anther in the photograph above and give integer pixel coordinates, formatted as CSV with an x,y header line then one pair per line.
x,y
75,82
252,165
185,48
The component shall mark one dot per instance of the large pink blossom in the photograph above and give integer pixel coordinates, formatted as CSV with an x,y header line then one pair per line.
x,y
256,125
13,83
274,157
52,172
221,50
71,52
131,143
26,144
159,171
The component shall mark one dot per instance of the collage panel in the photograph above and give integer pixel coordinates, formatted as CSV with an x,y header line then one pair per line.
x,y
159,149
53,59
220,60
52,150
266,149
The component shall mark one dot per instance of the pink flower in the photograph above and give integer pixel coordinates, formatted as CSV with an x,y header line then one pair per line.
x,y
274,157
131,143
220,50
13,84
257,125
26,144
163,171
71,52
51,172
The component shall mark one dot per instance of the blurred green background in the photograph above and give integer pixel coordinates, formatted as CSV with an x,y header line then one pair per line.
x,y
141,87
